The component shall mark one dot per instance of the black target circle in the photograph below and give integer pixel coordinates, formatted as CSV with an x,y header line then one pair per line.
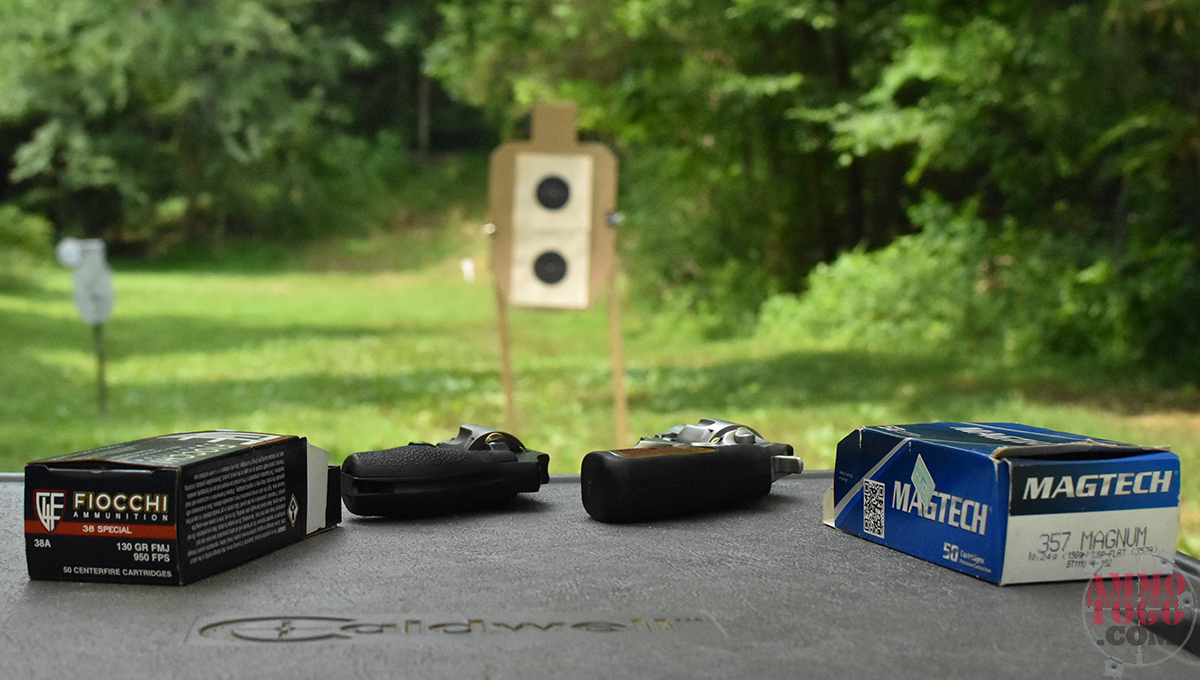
x,y
553,192
550,267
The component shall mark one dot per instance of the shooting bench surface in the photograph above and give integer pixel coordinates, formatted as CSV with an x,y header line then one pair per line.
x,y
542,590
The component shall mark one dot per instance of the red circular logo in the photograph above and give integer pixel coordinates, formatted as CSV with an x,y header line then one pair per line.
x,y
1141,618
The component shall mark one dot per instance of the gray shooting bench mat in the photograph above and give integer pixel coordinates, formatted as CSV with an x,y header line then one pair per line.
x,y
543,591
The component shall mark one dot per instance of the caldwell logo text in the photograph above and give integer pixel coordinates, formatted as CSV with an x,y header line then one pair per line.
x,y
367,628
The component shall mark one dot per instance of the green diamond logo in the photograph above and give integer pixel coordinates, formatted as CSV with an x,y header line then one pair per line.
x,y
922,482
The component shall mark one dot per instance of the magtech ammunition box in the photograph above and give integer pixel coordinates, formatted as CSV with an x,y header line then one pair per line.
x,y
1008,503
176,508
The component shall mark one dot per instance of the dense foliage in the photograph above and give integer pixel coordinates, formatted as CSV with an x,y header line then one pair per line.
x,y
1066,135
1011,172
156,122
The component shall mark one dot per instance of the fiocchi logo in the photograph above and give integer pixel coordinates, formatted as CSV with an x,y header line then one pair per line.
x,y
49,507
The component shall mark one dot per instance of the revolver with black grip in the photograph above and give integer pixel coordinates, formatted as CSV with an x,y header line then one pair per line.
x,y
478,468
685,470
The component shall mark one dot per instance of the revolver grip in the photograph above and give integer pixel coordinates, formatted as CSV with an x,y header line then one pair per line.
x,y
421,480
638,485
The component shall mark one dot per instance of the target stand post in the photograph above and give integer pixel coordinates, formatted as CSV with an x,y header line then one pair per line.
x,y
552,201
93,295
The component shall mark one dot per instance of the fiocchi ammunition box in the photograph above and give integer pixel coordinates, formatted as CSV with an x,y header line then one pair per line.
x,y
175,508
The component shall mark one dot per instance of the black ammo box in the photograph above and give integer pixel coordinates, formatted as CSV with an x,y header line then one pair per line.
x,y
175,508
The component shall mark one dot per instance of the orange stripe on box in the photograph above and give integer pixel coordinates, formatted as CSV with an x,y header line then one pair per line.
x,y
159,531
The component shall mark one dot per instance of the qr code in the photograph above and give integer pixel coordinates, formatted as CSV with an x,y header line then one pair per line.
x,y
873,501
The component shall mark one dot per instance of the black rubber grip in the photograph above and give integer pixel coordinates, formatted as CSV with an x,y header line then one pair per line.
x,y
639,485
422,480
417,461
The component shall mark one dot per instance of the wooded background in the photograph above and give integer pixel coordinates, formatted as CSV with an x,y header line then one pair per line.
x,y
1020,175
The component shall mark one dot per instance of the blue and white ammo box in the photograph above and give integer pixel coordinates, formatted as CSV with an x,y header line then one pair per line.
x,y
1008,503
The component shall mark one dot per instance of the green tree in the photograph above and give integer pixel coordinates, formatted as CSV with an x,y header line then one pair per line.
x,y
760,137
165,121
1075,129
699,96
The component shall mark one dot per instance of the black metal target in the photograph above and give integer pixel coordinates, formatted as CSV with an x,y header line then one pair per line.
x,y
550,267
553,192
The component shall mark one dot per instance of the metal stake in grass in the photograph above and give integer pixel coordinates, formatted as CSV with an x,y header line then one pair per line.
x,y
101,384
93,296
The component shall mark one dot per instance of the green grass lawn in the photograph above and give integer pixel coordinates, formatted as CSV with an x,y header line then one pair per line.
x,y
358,360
